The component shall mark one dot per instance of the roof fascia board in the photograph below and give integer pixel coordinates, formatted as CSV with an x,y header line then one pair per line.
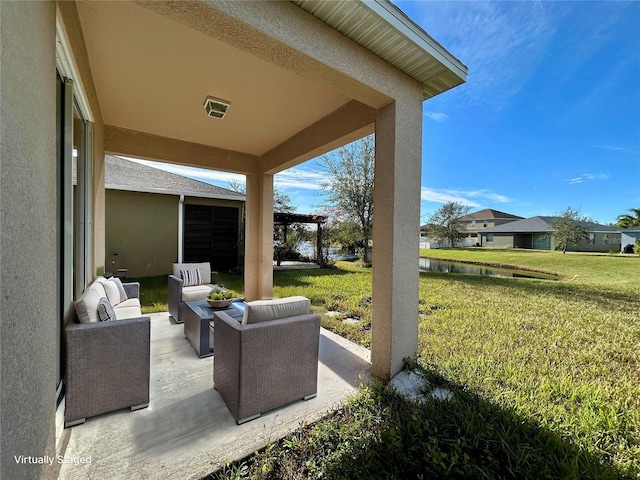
x,y
160,191
408,28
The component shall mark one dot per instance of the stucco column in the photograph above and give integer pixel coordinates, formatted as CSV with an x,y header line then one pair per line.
x,y
396,232
258,250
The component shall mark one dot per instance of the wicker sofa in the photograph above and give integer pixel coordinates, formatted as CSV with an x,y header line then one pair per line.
x,y
107,362
182,290
268,360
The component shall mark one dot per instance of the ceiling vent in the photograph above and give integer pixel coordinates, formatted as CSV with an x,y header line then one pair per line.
x,y
215,107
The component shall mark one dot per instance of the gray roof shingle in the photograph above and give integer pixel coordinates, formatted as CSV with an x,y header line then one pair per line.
x,y
123,174
542,225
489,214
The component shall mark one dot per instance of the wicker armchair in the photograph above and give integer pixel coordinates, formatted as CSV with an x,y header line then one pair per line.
x,y
262,366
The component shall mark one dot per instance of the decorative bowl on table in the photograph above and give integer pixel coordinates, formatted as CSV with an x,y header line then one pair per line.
x,y
220,303
222,299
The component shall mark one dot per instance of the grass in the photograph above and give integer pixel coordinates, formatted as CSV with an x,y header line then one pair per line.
x,y
154,290
546,376
600,269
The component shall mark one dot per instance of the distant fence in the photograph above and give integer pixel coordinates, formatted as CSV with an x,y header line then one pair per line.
x,y
466,242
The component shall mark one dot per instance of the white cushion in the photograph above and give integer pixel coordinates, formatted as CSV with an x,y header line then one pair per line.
x,y
116,281
198,292
127,312
97,287
113,294
87,306
265,310
205,267
129,302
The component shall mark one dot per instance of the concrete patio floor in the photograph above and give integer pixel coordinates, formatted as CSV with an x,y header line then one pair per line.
x,y
187,431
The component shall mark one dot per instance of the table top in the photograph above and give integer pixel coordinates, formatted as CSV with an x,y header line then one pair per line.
x,y
206,311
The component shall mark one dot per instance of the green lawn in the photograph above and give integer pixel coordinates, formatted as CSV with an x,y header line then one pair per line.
x,y
546,376
599,269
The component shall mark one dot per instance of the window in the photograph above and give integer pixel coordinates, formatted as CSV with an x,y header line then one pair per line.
x,y
473,223
485,223
592,238
489,237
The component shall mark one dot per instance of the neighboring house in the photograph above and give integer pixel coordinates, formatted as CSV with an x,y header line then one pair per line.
x,y
476,222
293,81
154,218
535,233
473,224
629,236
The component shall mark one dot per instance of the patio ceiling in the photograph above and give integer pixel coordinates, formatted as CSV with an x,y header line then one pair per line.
x,y
152,74
296,89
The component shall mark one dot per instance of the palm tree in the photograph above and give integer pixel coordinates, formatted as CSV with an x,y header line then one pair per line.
x,y
627,221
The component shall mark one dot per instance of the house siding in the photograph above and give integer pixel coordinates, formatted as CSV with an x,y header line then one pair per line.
x,y
28,320
603,243
142,229
628,238
499,241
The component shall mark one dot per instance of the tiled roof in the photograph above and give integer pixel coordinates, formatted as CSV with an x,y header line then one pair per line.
x,y
489,214
543,225
123,174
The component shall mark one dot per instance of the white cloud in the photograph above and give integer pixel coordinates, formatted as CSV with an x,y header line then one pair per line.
x,y
588,177
436,116
502,44
300,179
471,198
444,196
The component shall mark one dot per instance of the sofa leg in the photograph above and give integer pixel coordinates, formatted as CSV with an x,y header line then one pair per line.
x,y
74,423
139,407
309,397
248,419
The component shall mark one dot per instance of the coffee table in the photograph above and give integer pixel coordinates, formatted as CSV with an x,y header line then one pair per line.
x,y
198,315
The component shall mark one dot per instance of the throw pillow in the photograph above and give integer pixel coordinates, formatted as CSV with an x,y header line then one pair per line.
x,y
105,311
123,294
192,277
112,291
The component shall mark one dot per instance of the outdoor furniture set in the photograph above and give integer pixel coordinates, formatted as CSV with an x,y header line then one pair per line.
x,y
266,351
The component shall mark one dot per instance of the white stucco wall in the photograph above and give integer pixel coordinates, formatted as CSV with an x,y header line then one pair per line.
x,y
28,326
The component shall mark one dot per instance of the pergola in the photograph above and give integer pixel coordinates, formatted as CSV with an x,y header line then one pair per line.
x,y
284,219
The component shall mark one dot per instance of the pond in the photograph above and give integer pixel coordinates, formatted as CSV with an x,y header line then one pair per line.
x,y
447,266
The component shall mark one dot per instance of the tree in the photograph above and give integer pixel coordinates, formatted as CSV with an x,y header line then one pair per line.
x,y
569,229
444,224
285,245
282,202
349,188
627,221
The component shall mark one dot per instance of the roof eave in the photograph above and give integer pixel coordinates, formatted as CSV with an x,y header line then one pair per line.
x,y
411,30
160,191
447,72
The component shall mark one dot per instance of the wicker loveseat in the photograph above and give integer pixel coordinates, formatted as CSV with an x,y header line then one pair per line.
x,y
107,362
268,360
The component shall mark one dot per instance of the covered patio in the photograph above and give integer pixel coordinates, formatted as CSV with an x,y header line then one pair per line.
x,y
187,431
298,79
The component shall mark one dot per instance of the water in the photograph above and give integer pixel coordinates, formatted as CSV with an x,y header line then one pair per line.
x,y
447,266
335,253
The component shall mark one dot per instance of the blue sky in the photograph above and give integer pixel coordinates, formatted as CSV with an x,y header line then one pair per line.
x,y
549,116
